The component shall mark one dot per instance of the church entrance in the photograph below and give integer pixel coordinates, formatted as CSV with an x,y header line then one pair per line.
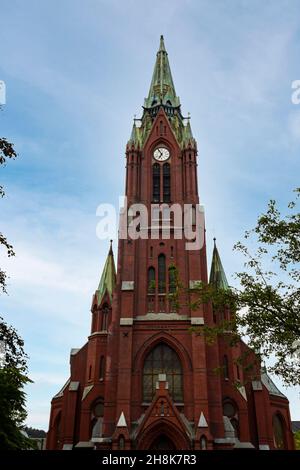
x,y
162,442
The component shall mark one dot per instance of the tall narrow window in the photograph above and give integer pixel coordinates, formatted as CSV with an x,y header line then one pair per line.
x,y
156,182
121,443
166,183
203,443
102,368
105,312
225,367
161,274
278,432
151,280
172,279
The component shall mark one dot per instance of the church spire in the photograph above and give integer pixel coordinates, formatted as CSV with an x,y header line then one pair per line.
x,y
162,90
108,279
217,274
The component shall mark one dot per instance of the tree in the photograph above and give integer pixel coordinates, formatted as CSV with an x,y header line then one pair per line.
x,y
266,304
297,440
7,151
13,367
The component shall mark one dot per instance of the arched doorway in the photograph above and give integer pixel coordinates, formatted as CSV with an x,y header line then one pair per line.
x,y
163,435
162,442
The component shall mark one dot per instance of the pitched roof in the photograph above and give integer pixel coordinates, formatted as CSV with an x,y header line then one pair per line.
x,y
217,274
269,384
108,278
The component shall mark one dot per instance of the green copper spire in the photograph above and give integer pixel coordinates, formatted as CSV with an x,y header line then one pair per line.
x,y
108,279
162,90
217,275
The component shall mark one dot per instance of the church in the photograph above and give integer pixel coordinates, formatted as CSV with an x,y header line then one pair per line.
x,y
143,380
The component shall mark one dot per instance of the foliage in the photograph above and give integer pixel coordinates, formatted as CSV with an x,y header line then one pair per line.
x,y
13,367
266,306
35,433
297,440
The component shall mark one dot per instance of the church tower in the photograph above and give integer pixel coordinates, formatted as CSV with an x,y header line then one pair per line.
x,y
144,380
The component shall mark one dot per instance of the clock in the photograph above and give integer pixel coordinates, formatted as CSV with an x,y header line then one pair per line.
x,y
161,154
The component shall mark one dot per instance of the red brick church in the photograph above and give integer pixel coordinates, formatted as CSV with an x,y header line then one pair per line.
x,y
143,380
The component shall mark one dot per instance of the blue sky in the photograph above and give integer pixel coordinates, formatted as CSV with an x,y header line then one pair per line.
x,y
76,72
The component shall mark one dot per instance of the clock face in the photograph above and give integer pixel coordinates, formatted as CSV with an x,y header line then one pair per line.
x,y
161,154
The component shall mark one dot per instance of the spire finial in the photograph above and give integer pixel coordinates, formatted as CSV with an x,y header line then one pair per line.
x,y
162,44
110,248
215,241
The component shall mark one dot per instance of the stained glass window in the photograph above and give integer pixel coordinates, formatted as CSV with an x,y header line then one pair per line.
x,y
162,360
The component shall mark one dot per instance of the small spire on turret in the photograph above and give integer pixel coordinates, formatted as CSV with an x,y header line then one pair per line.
x,y
217,274
108,278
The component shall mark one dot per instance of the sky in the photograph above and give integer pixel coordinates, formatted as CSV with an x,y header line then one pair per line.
x,y
76,72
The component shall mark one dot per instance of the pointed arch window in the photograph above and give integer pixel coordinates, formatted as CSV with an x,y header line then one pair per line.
x,y
102,368
278,432
156,182
162,360
225,367
105,313
121,442
166,182
203,443
161,274
151,280
172,279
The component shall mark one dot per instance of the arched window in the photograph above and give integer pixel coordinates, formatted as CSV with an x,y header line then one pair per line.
x,y
156,182
102,368
229,408
225,367
162,360
166,183
97,413
105,312
203,443
278,432
151,280
161,274
121,443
